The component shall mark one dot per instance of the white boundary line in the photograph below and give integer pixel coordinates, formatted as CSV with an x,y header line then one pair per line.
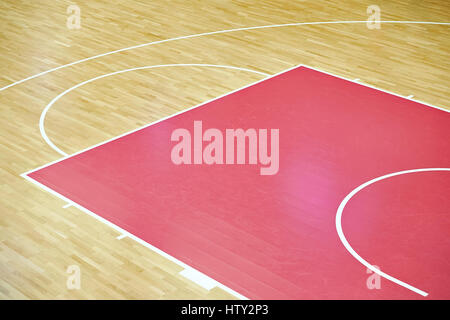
x,y
349,247
121,236
198,278
341,235
48,106
212,33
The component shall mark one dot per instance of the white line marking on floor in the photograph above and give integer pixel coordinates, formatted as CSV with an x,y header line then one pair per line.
x,y
357,79
67,205
60,234
199,278
410,96
121,236
213,33
349,247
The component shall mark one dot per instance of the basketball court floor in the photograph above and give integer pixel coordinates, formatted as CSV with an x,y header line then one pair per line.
x,y
123,175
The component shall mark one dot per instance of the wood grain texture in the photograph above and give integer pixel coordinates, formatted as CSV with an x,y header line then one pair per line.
x,y
38,238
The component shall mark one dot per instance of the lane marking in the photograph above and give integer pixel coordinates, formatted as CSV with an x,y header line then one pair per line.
x,y
349,247
213,33
67,205
410,96
199,278
48,106
121,237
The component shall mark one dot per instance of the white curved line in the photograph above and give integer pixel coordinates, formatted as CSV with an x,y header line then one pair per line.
x,y
347,245
48,106
212,33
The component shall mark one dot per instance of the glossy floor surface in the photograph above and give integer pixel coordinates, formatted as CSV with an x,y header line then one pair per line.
x,y
40,238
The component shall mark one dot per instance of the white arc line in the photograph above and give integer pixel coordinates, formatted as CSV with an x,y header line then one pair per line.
x,y
48,106
349,247
212,33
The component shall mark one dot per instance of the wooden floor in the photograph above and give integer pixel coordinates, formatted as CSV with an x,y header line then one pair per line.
x,y
38,238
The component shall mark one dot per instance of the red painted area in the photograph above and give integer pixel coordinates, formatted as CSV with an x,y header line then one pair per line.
x,y
274,237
